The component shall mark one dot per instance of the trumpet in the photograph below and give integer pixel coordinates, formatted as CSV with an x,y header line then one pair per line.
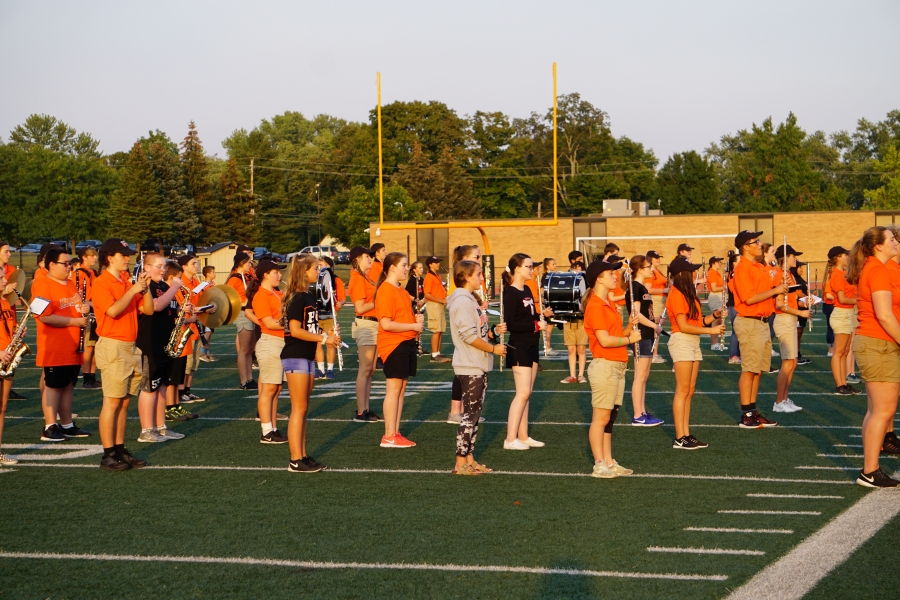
x,y
182,332
17,346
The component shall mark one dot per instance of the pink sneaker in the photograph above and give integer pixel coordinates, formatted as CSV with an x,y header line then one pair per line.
x,y
569,379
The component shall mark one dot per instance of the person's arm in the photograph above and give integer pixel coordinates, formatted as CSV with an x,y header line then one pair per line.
x,y
299,332
396,327
431,297
617,341
844,299
61,321
797,312
467,329
250,314
684,327
613,297
119,306
636,309
881,302
362,307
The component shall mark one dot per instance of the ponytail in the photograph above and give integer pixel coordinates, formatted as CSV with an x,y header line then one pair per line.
x,y
515,261
862,249
684,283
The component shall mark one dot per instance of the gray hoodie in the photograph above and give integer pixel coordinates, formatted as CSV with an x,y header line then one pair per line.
x,y
467,323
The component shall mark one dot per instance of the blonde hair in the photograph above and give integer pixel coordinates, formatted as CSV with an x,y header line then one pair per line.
x,y
297,281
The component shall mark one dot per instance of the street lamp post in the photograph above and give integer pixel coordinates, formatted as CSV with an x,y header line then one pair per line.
x,y
400,204
318,215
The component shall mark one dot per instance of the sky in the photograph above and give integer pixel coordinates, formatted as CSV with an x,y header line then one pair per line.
x,y
675,76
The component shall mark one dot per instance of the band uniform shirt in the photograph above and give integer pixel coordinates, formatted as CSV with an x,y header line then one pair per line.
x,y
713,277
520,315
392,302
239,283
7,271
434,286
656,281
268,304
792,297
7,323
106,292
646,301
751,278
602,315
839,283
303,310
155,330
57,346
620,290
677,304
375,270
532,285
894,272
362,289
875,277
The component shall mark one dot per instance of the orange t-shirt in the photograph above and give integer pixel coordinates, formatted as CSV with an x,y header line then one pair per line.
x,y
875,277
620,290
792,297
894,271
107,291
826,291
839,284
533,286
434,286
600,315
339,292
268,304
7,271
361,288
656,281
375,270
7,323
751,278
714,278
57,346
39,274
677,304
392,302
86,277
240,285
190,284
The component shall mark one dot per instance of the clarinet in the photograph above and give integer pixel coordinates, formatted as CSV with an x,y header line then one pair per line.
x,y
418,306
81,333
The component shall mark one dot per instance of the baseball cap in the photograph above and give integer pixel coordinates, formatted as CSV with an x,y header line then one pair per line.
x,y
116,245
683,247
358,251
185,259
779,252
614,258
596,268
376,247
652,254
682,264
432,260
744,237
715,259
240,258
244,248
264,266
837,251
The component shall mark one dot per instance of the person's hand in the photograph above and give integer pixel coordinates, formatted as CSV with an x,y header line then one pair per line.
x,y
658,328
779,289
176,282
334,340
548,312
5,356
501,328
140,286
717,314
635,318
211,309
803,313
81,322
634,336
189,308
542,325
718,329
419,326
420,319
499,350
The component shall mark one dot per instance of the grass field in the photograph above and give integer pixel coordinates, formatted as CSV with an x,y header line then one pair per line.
x,y
383,523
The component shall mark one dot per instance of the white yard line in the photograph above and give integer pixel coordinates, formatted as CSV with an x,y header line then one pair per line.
x,y
307,564
815,468
812,513
705,551
804,496
848,446
735,530
854,456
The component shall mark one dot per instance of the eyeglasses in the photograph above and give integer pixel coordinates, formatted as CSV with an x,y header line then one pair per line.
x,y
154,266
527,266
752,243
65,264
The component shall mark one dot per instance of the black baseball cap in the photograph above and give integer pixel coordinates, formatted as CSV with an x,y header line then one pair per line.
x,y
376,247
744,237
779,252
432,260
715,259
244,248
264,266
185,259
596,268
652,254
681,265
116,245
683,247
240,257
837,251
614,258
358,251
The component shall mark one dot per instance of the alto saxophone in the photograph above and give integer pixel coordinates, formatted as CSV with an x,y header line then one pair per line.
x,y
182,332
17,346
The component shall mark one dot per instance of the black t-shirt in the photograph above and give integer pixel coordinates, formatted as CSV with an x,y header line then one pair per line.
x,y
520,315
414,287
303,309
155,330
729,301
646,300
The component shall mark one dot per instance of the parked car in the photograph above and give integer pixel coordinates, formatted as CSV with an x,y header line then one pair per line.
x,y
259,252
62,244
321,251
30,248
95,244
343,258
181,250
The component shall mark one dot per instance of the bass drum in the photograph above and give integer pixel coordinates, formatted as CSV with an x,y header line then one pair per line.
x,y
564,293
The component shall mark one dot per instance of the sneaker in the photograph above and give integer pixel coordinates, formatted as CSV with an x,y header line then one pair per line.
x,y
791,406
775,353
454,418
191,398
876,479
250,385
603,472
302,466
582,379
852,389
255,365
750,421
853,378
319,375
550,352
150,436
803,361
360,417
176,413
569,379
619,469
658,360
314,463
734,360
53,433
843,390
329,375
75,432
533,443
14,395
396,441
92,385
134,463
773,370
780,407
764,422
379,364
273,437
169,434
371,417
697,443
684,443
515,445
830,352
205,357
7,460
646,420
440,359
890,445
112,462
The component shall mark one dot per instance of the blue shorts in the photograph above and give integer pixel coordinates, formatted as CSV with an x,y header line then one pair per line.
x,y
298,366
645,348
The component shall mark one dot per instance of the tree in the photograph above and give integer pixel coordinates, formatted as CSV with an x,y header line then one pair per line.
x,y
239,205
888,195
167,171
457,200
361,209
45,131
199,188
136,212
687,184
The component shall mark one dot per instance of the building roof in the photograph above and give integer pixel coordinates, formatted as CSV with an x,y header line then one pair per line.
x,y
214,248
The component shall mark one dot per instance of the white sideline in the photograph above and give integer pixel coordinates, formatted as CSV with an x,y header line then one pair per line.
x,y
307,564
736,530
705,551
828,468
770,512
795,496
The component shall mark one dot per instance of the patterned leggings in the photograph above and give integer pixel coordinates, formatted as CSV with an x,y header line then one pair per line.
x,y
473,390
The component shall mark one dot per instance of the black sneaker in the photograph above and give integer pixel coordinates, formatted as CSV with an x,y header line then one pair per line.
x,y
853,390
273,437
75,432
14,395
112,462
314,463
876,479
92,385
697,442
372,417
684,443
361,417
134,463
175,413
891,444
843,390
763,421
53,433
750,421
302,466
379,364
773,370
803,361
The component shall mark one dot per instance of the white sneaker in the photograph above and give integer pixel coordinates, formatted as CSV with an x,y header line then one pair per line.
x,y
658,359
169,434
533,443
775,353
549,352
603,472
791,407
515,445
8,460
619,469
780,407
150,436
454,418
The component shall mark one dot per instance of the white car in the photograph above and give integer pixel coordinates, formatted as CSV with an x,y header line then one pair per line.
x,y
318,251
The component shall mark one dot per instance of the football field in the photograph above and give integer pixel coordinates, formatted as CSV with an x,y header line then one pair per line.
x,y
760,513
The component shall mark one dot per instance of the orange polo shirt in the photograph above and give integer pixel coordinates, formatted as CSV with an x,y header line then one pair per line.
x,y
875,277
268,304
57,346
751,278
657,280
677,304
240,285
839,283
7,323
532,285
433,285
392,302
793,296
361,288
375,270
714,278
600,315
107,291
894,271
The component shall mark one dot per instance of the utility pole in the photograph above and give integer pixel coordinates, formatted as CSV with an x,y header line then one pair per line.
x,y
318,215
251,177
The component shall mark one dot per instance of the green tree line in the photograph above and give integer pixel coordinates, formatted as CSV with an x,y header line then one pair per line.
x,y
312,177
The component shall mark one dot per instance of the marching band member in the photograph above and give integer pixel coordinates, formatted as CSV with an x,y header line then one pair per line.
x,y
209,276
875,345
173,409
576,256
734,354
715,284
85,275
266,303
190,276
521,317
116,302
606,372
364,329
658,286
397,329
786,316
891,444
460,253
575,340
301,337
327,324
240,280
378,252
472,359
7,328
754,302
642,306
548,266
436,296
843,322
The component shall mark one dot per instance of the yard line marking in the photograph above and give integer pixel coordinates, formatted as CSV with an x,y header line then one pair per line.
x,y
736,530
5,470
807,496
705,551
848,445
447,472
797,572
811,467
853,456
812,513
68,451
308,564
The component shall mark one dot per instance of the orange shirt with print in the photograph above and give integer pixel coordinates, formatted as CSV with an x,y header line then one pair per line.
x,y
7,323
600,315
875,277
57,346
362,289
657,281
268,304
392,302
434,286
677,304
839,283
751,278
107,291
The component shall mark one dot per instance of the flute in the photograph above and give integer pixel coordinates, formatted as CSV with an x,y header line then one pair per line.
x,y
502,320
809,297
634,324
662,318
337,328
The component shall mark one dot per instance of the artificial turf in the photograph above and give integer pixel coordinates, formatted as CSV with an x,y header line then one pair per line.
x,y
373,506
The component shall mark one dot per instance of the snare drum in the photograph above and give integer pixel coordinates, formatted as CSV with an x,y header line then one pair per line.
x,y
563,293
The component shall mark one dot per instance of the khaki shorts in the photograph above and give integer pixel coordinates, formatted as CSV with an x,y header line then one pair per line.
x,y
756,345
364,332
607,379
89,343
878,360
659,303
193,359
574,334
268,355
714,302
844,321
786,332
684,347
119,363
326,325
242,322
436,321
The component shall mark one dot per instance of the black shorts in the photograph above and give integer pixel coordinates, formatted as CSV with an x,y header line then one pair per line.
x,y
92,336
522,357
179,368
61,377
645,348
456,390
154,372
401,363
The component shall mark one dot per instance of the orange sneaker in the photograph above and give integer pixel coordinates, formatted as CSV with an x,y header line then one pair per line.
x,y
402,442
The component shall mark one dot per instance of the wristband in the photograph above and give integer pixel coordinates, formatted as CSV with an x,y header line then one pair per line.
x,y
324,338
